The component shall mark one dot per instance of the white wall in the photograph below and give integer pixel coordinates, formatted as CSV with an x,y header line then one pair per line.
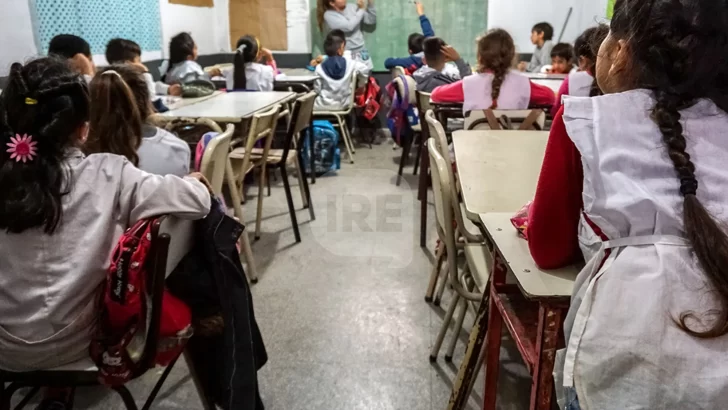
x,y
18,43
519,16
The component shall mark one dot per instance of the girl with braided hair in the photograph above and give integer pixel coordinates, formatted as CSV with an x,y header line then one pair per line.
x,y
61,214
496,85
637,178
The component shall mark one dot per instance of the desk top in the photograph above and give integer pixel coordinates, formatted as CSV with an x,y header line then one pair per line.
x,y
174,103
534,282
545,76
293,75
232,107
498,170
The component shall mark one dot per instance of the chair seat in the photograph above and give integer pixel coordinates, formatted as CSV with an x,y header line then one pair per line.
x,y
480,260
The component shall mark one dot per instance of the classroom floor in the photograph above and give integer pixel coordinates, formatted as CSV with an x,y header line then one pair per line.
x,y
343,314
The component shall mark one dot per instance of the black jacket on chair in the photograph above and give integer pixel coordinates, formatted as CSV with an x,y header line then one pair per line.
x,y
211,280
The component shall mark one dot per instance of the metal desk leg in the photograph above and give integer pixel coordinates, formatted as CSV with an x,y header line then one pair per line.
x,y
549,323
422,192
493,339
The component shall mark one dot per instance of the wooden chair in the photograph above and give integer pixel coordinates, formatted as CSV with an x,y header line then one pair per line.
x,y
262,128
506,120
397,71
84,372
475,272
423,160
214,166
279,158
341,116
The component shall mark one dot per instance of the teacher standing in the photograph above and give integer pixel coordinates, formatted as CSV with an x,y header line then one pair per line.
x,y
348,18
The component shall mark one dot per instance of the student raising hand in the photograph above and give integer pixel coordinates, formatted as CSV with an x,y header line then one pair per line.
x,y
361,4
420,8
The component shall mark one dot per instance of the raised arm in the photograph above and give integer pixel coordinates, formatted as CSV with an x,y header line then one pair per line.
x,y
427,30
370,17
337,21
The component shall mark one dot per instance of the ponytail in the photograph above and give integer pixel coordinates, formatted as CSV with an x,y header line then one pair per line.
x,y
323,6
116,122
48,102
247,52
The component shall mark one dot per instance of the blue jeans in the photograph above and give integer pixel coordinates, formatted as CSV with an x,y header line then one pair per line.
x,y
572,402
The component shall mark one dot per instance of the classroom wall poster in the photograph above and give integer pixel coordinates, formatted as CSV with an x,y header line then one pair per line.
x,y
98,21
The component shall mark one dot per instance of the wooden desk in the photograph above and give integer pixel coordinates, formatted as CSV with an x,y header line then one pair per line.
x,y
296,79
232,107
175,103
498,170
533,311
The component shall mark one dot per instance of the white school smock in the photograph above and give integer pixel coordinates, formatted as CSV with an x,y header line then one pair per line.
x,y
623,349
580,84
179,71
49,283
478,90
258,77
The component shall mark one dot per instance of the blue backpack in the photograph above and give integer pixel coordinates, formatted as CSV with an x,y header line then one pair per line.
x,y
327,156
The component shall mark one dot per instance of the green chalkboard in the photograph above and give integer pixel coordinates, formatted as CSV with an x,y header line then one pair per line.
x,y
458,22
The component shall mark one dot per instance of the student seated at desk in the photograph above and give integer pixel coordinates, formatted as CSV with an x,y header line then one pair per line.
x,y
335,72
496,85
562,59
59,226
122,51
582,83
415,45
76,51
120,108
246,73
182,63
541,36
637,180
437,71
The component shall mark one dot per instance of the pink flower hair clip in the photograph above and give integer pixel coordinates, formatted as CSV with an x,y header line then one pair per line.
x,y
22,148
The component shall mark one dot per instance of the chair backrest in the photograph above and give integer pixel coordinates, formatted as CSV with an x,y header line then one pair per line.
x,y
443,200
411,88
423,101
437,132
505,120
214,159
354,82
300,121
397,71
262,128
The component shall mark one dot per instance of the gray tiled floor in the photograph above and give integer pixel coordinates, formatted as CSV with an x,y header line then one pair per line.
x,y
342,313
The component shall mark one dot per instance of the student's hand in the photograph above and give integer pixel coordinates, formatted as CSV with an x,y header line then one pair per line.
x,y
175,90
316,61
266,54
361,4
215,72
420,8
82,65
522,66
198,176
450,53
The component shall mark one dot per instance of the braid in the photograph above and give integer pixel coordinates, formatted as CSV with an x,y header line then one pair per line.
x,y
498,79
708,240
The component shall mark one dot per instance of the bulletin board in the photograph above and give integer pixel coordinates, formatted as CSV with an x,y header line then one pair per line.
x,y
459,23
265,19
194,3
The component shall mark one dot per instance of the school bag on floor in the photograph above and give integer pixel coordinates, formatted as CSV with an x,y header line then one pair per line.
x,y
327,156
125,312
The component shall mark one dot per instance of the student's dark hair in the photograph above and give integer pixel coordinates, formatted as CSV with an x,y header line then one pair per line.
x,y
68,45
432,46
676,48
47,101
545,28
587,46
563,50
115,124
180,47
119,51
246,52
496,53
332,44
338,33
415,43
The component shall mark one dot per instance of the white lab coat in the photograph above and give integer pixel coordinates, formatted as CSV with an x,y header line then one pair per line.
x,y
623,349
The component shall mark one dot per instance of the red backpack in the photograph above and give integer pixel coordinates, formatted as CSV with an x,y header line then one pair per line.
x,y
126,310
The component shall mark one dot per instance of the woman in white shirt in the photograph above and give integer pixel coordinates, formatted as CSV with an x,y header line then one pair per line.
x,y
247,73
62,213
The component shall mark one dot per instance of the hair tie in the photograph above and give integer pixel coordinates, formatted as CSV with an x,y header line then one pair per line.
x,y
688,186
30,101
242,48
111,72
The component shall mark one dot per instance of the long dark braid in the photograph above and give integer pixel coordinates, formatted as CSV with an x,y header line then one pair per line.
x,y
498,79
673,45
496,53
